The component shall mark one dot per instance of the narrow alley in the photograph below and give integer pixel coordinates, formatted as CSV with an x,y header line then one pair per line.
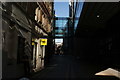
x,y
60,40
67,67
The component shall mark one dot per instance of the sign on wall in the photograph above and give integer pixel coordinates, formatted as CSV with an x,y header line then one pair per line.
x,y
43,41
33,40
33,43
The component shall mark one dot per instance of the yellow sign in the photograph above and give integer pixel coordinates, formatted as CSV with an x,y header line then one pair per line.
x,y
43,41
33,43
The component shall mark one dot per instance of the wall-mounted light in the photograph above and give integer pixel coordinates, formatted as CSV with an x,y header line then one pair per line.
x,y
98,16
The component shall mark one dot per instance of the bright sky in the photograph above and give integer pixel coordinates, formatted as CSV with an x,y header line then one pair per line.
x,y
58,40
61,9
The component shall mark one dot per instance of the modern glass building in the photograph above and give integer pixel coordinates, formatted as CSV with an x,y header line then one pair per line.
x,y
61,27
78,5
65,27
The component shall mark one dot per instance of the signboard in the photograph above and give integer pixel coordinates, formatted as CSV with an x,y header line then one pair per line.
x,y
43,41
33,43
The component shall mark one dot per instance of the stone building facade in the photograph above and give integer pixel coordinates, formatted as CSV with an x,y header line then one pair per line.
x,y
24,23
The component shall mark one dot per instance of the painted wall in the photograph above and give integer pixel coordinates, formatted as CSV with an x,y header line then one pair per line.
x,y
11,68
40,53
0,43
